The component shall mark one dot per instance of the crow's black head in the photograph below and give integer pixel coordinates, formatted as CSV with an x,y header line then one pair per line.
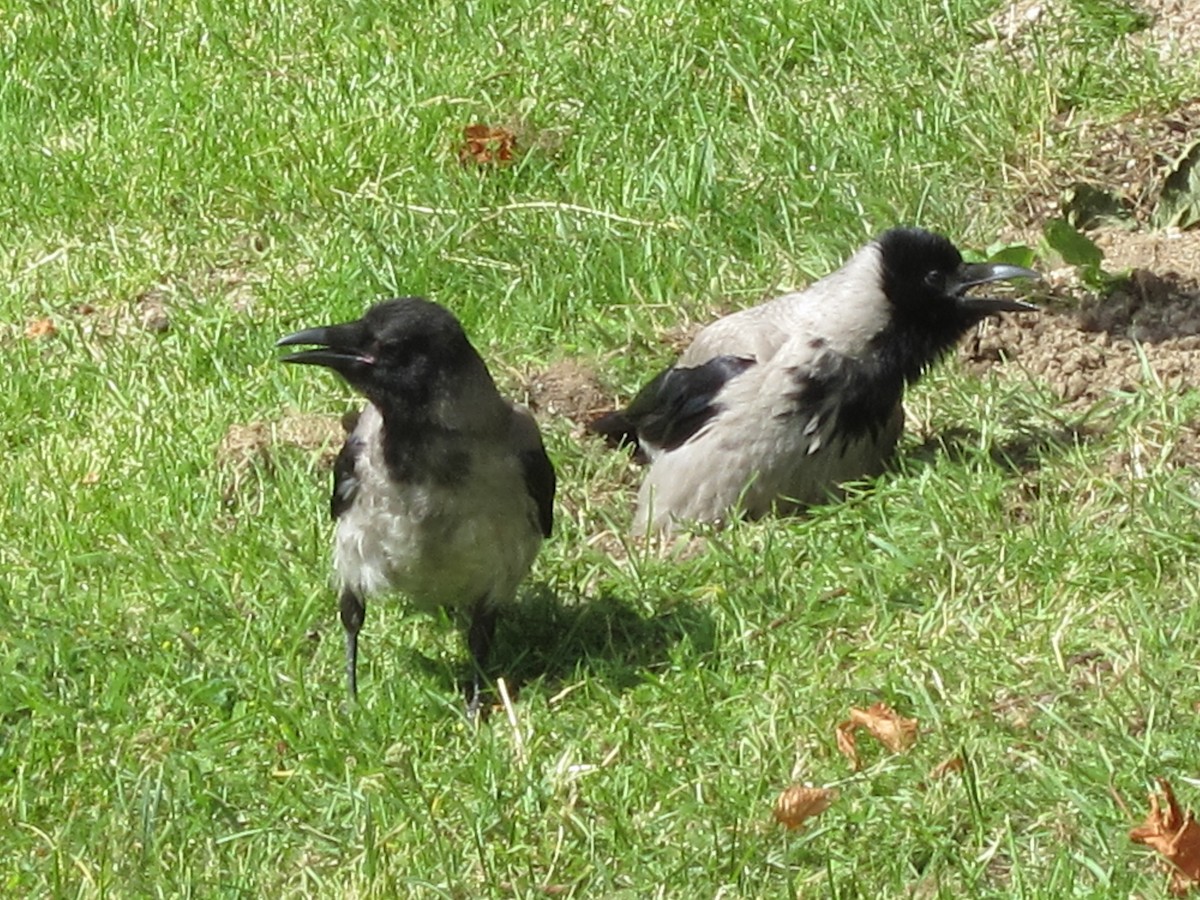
x,y
401,351
926,282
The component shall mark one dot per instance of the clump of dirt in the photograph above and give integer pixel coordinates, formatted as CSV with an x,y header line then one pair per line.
x,y
1148,307
244,444
152,312
1142,331
567,388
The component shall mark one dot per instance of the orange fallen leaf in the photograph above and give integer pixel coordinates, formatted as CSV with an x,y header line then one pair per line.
x,y
486,144
847,746
1175,836
40,328
893,731
945,767
798,803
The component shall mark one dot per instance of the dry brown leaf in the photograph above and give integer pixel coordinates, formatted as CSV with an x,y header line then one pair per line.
x,y
1175,836
40,328
798,803
893,731
945,767
846,744
484,144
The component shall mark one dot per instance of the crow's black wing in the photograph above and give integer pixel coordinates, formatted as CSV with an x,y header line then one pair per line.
x,y
540,482
345,478
857,396
677,403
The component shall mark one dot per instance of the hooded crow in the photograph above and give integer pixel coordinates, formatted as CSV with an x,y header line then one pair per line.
x,y
771,408
443,490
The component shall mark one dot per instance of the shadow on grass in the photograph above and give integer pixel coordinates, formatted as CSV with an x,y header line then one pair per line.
x,y
1022,453
607,637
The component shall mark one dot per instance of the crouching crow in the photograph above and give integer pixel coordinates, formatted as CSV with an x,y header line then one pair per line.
x,y
773,407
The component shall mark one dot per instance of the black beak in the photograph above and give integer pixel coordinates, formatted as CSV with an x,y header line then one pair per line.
x,y
339,347
971,274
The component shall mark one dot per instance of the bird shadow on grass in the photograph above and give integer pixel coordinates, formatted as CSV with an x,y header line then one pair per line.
x,y
1021,453
612,639
608,638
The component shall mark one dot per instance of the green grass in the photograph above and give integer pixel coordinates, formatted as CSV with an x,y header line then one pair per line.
x,y
171,718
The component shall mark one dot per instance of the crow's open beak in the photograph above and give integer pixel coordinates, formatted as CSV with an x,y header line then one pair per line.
x,y
971,274
338,347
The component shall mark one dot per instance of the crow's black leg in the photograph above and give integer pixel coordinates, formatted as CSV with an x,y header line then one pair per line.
x,y
479,641
354,610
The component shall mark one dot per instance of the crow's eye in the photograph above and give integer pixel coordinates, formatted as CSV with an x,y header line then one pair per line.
x,y
402,350
935,280
387,352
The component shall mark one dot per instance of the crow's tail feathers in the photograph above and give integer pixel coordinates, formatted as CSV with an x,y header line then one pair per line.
x,y
618,431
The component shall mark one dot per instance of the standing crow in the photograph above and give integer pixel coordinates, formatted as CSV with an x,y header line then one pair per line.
x,y
443,490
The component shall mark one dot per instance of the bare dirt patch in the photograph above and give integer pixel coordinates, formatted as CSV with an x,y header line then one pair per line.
x,y
244,444
1174,33
153,309
1168,28
249,451
1143,333
1113,170
567,388
1117,180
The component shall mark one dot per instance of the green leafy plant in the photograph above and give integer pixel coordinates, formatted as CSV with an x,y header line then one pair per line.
x,y
1076,249
1179,202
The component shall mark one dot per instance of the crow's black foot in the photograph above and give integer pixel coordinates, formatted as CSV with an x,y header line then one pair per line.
x,y
478,703
480,635
353,611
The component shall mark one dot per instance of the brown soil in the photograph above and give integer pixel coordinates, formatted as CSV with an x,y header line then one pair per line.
x,y
248,450
1086,345
1175,31
567,388
1143,331
245,444
1114,169
1172,32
